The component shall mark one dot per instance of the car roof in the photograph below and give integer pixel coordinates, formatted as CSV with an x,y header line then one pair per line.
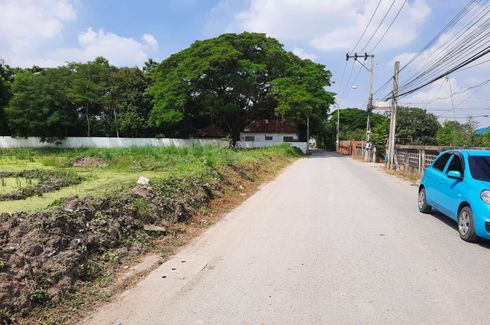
x,y
471,152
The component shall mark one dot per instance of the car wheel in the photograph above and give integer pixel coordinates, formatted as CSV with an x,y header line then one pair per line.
x,y
422,202
466,226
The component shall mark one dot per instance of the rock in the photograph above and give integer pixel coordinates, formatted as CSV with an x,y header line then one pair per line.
x,y
153,228
143,181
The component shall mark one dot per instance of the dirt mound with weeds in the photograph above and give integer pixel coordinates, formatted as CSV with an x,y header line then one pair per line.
x,y
89,162
47,254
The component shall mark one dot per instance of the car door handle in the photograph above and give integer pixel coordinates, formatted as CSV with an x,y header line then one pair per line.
x,y
441,181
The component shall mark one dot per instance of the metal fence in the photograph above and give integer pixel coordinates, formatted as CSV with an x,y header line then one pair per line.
x,y
413,160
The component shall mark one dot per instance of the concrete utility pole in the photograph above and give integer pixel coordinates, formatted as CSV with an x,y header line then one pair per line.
x,y
366,56
391,144
338,129
308,134
369,109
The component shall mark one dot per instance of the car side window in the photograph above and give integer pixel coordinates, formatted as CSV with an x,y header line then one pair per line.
x,y
456,165
441,162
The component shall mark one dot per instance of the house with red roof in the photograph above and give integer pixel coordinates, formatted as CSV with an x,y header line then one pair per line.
x,y
273,131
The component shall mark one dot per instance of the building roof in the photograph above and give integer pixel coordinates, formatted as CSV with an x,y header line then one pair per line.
x,y
270,126
481,131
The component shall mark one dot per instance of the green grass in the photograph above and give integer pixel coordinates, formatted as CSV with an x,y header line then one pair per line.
x,y
124,167
11,184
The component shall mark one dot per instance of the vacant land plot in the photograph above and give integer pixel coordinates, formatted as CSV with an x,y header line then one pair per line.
x,y
70,218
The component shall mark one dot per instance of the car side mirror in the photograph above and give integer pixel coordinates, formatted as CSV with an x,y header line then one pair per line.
x,y
454,174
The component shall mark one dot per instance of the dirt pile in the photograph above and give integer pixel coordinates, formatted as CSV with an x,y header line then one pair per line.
x,y
47,254
89,162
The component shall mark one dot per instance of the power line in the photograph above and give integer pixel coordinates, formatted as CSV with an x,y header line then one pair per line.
x,y
450,55
379,25
474,65
452,99
344,90
367,26
355,80
480,54
467,45
456,19
389,27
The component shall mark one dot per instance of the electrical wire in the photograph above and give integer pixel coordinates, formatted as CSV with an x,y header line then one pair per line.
x,y
456,52
379,26
389,27
467,46
367,26
455,20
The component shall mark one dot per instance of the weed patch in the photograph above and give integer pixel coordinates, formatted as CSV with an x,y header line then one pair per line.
x,y
50,255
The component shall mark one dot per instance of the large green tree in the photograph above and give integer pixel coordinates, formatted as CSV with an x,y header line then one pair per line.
x,y
6,79
233,79
130,103
353,123
89,92
454,133
416,126
40,106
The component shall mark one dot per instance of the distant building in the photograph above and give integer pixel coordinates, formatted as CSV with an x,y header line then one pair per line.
x,y
481,131
270,131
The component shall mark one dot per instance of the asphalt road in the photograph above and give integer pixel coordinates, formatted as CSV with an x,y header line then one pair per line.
x,y
330,241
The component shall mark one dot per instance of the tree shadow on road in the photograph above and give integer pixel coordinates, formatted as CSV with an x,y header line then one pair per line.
x,y
318,153
453,224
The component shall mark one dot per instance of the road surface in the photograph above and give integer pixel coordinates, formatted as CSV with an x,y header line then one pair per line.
x,y
330,241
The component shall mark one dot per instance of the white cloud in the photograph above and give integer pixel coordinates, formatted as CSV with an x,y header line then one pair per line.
x,y
31,31
26,24
121,51
331,24
151,41
302,54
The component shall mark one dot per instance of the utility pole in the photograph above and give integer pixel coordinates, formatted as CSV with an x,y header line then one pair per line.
x,y
366,56
308,134
338,129
391,144
369,109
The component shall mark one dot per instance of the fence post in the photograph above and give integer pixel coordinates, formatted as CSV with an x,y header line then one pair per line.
x,y
422,164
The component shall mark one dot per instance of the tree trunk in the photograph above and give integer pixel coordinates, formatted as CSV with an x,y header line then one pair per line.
x,y
115,121
88,120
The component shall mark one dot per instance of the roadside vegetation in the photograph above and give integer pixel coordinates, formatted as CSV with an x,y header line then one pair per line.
x,y
62,255
414,126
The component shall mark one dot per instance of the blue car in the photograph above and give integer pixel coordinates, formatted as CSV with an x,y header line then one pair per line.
x,y
458,185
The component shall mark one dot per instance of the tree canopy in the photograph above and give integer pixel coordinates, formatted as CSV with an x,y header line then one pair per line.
x,y
416,126
234,79
353,122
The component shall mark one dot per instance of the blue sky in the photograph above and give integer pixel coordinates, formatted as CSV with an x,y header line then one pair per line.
x,y
50,32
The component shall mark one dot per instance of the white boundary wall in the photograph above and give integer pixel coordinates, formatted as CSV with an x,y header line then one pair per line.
x,y
95,142
259,144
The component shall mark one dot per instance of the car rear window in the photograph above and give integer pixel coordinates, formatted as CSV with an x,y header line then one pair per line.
x,y
480,167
